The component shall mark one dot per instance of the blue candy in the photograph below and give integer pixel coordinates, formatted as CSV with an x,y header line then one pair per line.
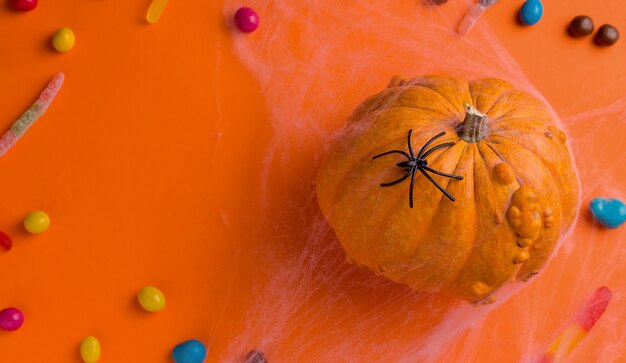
x,y
610,213
531,12
191,351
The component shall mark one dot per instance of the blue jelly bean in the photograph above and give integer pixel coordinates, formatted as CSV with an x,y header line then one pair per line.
x,y
191,351
531,12
610,213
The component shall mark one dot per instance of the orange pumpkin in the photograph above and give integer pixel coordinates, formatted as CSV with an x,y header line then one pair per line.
x,y
462,213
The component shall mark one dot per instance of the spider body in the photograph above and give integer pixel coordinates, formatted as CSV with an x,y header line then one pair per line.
x,y
419,163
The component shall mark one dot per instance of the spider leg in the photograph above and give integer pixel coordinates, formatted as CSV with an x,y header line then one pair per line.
x,y
408,141
393,152
437,148
419,156
396,181
458,177
437,185
411,187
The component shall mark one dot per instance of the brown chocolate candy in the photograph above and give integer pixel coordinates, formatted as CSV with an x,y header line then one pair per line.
x,y
607,35
580,26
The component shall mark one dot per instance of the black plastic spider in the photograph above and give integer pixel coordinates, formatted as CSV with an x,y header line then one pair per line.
x,y
419,162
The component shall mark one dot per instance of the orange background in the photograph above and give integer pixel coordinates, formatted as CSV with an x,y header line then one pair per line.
x,y
147,153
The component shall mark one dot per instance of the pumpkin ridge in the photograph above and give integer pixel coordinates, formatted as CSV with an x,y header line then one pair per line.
x,y
540,157
417,108
476,91
506,118
454,105
394,98
489,185
453,112
500,99
497,126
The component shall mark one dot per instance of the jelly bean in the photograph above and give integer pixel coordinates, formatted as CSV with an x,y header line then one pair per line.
x,y
247,20
11,319
151,299
5,241
63,40
610,213
90,350
37,222
23,5
155,10
531,12
191,351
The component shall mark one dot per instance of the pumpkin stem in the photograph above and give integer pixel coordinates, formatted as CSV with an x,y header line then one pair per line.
x,y
474,127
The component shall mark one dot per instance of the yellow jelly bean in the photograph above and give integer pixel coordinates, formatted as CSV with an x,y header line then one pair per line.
x,y
155,10
37,222
90,350
63,40
151,299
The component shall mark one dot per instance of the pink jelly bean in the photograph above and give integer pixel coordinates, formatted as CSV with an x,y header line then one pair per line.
x,y
11,319
5,241
247,20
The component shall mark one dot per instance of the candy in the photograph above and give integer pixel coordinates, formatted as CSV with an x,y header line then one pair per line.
x,y
610,213
191,351
5,241
255,356
90,350
580,26
155,10
584,320
11,319
531,12
23,5
151,299
247,20
473,14
29,117
607,35
37,222
63,40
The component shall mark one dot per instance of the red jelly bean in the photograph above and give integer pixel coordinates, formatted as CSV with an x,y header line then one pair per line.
x,y
5,241
23,5
247,20
11,319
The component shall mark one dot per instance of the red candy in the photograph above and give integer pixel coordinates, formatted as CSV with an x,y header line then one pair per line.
x,y
247,20
11,319
5,241
23,5
594,308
